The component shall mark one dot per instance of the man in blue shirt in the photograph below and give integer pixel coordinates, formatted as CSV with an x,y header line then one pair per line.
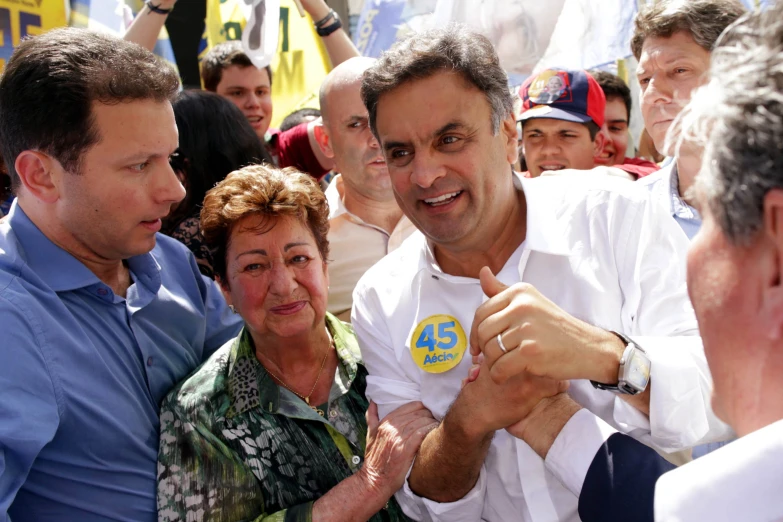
x,y
672,42
100,316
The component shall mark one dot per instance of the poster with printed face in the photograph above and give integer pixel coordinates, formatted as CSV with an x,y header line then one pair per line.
x,y
20,18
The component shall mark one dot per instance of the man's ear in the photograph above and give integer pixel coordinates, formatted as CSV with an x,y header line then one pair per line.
x,y
598,144
772,264
322,138
508,129
39,175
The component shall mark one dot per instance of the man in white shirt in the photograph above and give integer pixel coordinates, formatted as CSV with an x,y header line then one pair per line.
x,y
734,279
672,42
588,252
365,222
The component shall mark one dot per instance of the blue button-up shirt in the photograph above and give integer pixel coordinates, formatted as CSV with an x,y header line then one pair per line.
x,y
83,372
664,187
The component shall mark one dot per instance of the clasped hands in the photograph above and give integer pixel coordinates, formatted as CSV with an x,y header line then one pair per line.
x,y
543,348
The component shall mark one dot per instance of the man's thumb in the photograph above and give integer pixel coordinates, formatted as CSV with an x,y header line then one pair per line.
x,y
490,284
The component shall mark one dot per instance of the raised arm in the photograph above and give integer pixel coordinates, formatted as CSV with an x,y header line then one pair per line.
x,y
338,44
147,25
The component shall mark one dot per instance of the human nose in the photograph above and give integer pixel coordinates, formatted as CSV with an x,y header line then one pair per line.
x,y
253,101
169,189
283,280
426,169
372,141
658,90
549,146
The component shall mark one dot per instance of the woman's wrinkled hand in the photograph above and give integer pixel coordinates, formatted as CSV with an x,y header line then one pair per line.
x,y
392,445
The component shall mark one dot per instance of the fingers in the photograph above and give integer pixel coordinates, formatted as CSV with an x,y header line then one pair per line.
x,y
406,409
490,285
493,306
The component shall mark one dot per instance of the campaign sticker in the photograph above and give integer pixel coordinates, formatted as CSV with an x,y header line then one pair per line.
x,y
438,343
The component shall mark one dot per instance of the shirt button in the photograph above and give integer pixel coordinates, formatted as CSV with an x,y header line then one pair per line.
x,y
332,413
149,361
102,291
356,459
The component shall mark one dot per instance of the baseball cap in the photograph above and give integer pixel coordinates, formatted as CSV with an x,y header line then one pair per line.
x,y
559,94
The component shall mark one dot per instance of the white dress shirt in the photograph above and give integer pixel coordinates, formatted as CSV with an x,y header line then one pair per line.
x,y
354,246
602,252
742,481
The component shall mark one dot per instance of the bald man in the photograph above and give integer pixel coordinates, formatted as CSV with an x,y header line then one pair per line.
x,y
365,221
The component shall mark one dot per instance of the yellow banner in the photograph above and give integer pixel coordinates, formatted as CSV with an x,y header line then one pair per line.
x,y
20,18
301,62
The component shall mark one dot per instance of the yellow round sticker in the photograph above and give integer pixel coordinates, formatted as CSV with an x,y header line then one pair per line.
x,y
438,343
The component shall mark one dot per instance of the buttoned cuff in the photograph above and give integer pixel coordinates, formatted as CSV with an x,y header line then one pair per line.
x,y
466,509
575,447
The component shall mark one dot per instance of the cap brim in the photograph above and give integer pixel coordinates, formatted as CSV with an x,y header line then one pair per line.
x,y
552,113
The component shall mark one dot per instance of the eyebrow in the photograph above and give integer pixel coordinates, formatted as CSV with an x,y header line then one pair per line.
x,y
617,121
439,132
144,156
353,118
261,251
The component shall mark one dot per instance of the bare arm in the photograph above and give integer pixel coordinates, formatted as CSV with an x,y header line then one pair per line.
x,y
338,45
147,25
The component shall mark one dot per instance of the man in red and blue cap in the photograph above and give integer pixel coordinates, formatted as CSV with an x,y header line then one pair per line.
x,y
562,115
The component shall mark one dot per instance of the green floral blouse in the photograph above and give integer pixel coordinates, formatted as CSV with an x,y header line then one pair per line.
x,y
236,447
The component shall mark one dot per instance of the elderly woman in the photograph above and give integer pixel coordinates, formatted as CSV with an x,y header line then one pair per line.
x,y
272,426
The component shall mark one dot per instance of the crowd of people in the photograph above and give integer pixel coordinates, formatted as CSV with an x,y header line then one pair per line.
x,y
431,299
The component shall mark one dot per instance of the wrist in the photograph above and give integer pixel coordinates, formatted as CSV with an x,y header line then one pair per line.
x,y
607,350
317,10
463,421
540,429
371,490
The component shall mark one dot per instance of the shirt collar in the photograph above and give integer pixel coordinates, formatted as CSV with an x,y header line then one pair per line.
x,y
42,255
251,386
334,197
546,233
678,207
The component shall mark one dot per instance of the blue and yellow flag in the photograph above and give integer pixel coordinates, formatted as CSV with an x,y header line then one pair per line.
x,y
301,62
19,19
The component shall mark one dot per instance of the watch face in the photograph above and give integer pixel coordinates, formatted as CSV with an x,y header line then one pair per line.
x,y
638,374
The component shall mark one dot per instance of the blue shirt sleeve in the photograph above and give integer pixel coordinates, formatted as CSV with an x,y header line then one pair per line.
x,y
29,406
620,484
222,324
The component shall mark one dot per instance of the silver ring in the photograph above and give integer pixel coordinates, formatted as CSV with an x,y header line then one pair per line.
x,y
500,343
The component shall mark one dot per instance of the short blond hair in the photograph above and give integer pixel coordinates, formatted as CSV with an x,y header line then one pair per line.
x,y
261,190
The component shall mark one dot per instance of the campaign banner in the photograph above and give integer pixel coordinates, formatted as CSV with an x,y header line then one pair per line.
x,y
530,35
20,18
377,28
300,62
260,36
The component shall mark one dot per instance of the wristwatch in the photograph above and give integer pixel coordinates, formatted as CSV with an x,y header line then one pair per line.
x,y
634,374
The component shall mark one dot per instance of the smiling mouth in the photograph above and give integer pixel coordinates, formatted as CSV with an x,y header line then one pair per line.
x,y
445,199
288,309
551,167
